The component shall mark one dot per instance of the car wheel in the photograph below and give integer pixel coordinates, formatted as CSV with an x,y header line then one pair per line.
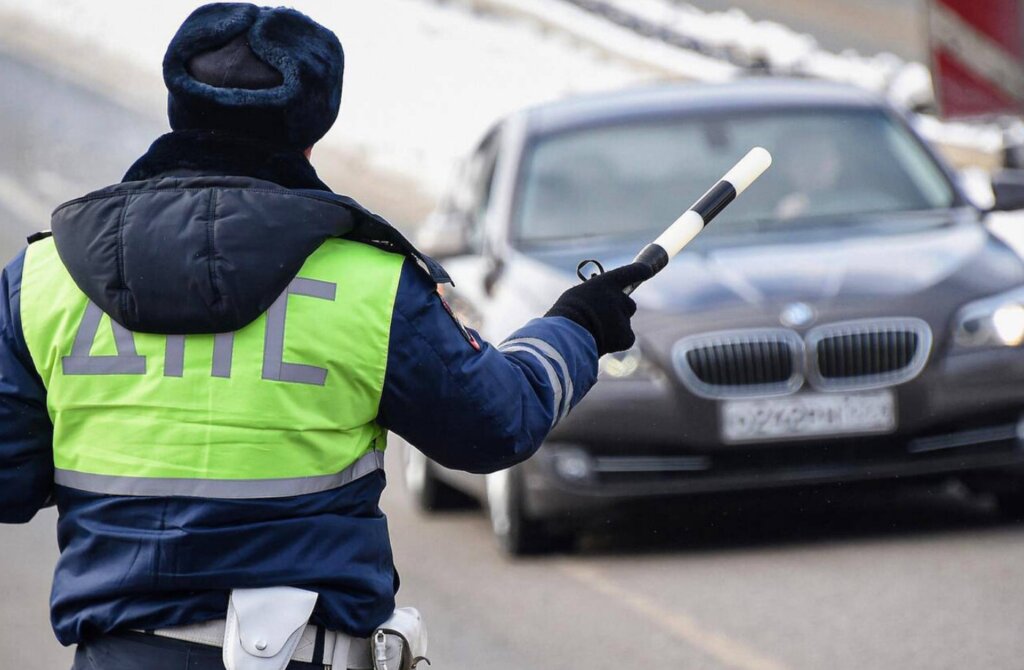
x,y
428,492
518,534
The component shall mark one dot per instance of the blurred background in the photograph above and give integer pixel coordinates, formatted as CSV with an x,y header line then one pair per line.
x,y
813,457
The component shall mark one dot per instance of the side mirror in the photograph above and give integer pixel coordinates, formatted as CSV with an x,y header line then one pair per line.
x,y
1008,188
443,235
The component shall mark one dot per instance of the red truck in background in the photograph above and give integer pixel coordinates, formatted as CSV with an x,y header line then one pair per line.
x,y
977,54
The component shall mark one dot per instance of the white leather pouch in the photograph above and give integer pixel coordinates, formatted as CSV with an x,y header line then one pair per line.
x,y
400,643
264,626
404,639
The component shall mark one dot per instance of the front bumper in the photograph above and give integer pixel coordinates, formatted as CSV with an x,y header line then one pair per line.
x,y
632,440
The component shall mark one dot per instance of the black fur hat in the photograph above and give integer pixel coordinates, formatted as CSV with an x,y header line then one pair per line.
x,y
270,73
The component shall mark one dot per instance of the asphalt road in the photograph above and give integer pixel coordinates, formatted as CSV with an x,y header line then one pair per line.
x,y
57,141
846,580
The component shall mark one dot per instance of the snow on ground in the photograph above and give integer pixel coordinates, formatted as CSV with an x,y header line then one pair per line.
x,y
422,81
643,52
786,51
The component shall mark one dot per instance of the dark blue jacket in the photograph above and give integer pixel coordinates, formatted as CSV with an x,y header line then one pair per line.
x,y
149,563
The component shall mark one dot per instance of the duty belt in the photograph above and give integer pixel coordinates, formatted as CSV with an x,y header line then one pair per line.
x,y
317,644
267,628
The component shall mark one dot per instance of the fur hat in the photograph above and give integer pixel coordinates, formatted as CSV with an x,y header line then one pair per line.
x,y
269,73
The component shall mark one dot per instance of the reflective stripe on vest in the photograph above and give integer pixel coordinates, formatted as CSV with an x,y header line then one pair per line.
x,y
285,406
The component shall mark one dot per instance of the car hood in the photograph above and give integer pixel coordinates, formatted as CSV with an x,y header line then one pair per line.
x,y
924,271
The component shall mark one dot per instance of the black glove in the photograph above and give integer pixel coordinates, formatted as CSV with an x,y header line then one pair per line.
x,y
600,306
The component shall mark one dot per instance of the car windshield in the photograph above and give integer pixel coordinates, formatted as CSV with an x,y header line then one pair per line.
x,y
635,178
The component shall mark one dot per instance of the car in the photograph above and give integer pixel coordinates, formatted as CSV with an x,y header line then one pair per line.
x,y
849,318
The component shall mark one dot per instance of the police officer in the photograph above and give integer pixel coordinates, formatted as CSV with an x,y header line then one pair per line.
x,y
200,365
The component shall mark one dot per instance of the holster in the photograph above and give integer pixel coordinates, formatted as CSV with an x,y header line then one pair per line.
x,y
399,643
264,626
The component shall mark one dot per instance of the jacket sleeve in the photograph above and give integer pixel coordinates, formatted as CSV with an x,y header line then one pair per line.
x,y
26,455
469,405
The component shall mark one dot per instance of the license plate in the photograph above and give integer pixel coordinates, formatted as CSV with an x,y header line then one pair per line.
x,y
808,415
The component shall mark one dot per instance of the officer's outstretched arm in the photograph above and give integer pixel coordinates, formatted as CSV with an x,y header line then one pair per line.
x,y
472,406
26,456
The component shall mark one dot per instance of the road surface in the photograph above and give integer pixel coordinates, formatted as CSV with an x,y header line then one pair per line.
x,y
844,580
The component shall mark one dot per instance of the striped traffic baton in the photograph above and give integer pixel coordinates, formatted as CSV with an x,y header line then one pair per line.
x,y
657,254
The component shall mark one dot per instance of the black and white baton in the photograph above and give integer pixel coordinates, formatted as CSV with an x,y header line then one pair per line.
x,y
657,254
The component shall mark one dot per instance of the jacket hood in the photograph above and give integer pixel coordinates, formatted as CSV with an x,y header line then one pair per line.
x,y
177,248
191,255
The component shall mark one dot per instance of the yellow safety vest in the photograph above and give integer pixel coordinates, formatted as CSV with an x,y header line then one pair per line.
x,y
285,406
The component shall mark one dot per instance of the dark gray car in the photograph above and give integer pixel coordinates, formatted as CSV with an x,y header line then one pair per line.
x,y
849,318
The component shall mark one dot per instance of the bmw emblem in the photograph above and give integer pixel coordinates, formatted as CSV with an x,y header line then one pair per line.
x,y
797,315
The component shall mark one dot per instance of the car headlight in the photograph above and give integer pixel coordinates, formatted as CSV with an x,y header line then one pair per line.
x,y
992,322
630,364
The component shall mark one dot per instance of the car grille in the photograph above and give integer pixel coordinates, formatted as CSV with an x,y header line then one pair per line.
x,y
868,353
742,363
753,362
850,355
844,356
